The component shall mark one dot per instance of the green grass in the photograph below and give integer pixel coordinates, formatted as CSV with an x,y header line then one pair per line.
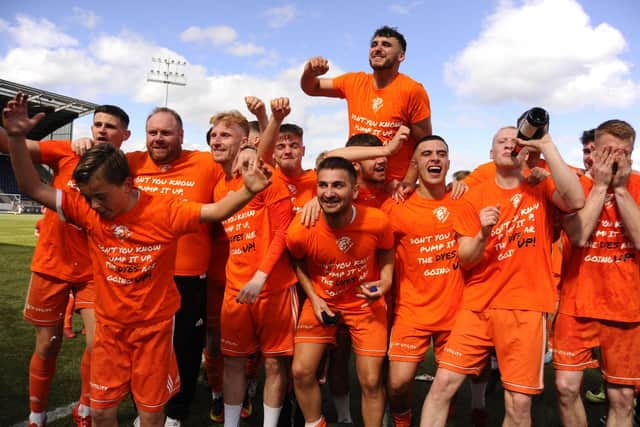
x,y
17,342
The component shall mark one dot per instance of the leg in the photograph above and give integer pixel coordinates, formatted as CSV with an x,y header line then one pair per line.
x,y
436,405
620,405
399,385
43,365
339,374
369,370
89,321
571,408
151,419
275,387
517,408
234,380
106,417
306,359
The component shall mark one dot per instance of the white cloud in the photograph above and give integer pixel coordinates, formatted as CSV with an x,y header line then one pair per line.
x,y
37,33
217,35
546,52
86,18
280,16
222,36
404,9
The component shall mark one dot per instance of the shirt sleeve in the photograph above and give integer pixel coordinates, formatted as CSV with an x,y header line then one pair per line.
x,y
340,84
419,104
280,214
466,221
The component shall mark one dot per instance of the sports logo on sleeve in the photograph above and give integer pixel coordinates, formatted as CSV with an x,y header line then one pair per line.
x,y
344,243
441,213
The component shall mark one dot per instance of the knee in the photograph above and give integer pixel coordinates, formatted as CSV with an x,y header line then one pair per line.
x,y
370,383
397,386
234,364
100,416
302,373
445,385
518,406
568,389
274,366
50,347
620,397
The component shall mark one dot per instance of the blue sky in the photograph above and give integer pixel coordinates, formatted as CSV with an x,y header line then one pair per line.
x,y
482,62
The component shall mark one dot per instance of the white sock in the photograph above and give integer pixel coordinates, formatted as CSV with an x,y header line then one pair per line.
x,y
477,395
232,415
84,410
37,417
271,415
343,407
313,423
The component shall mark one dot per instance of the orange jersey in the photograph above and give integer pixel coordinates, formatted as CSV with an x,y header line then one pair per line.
x,y
192,176
515,271
302,188
372,197
251,232
428,279
381,112
133,255
488,171
339,260
61,251
602,278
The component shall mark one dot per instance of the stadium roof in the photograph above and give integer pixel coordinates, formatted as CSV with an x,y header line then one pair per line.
x,y
60,109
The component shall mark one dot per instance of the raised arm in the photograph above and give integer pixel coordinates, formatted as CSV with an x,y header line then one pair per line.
x,y
568,195
310,81
356,153
255,180
280,109
258,109
18,124
32,146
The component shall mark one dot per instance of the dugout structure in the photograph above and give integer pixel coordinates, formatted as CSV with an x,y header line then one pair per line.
x,y
60,111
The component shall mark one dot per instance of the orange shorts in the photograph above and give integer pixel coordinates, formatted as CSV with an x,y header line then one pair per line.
x,y
409,343
139,360
47,299
267,325
519,340
215,295
576,337
367,327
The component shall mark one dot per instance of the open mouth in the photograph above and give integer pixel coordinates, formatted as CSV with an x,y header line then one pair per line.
x,y
434,169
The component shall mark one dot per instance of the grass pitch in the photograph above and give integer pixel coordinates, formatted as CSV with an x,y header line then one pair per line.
x,y
17,342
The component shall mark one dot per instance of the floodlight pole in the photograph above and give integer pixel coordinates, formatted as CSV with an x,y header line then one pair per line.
x,y
167,71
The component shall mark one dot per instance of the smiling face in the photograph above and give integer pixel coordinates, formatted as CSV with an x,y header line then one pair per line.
x,y
164,137
385,53
432,158
336,191
109,129
372,171
225,141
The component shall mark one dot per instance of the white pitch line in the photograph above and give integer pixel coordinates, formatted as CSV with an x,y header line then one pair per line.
x,y
56,414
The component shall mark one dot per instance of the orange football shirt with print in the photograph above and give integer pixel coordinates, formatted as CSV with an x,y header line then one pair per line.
x,y
515,271
381,112
133,255
302,188
339,260
428,280
62,248
607,254
192,176
251,234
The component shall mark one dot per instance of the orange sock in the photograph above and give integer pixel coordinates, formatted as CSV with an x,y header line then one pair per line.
x,y
41,373
214,367
403,419
85,377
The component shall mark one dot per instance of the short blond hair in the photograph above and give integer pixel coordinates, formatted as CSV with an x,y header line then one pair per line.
x,y
231,117
618,128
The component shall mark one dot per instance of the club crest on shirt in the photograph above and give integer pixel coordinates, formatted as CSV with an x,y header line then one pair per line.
x,y
376,104
121,231
441,213
344,243
515,199
608,200
164,167
292,189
